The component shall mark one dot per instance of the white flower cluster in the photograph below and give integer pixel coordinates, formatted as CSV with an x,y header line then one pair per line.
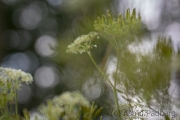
x,y
82,43
73,99
8,74
66,106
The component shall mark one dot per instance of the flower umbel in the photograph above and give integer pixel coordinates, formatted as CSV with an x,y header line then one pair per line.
x,y
82,43
69,103
69,106
14,76
121,30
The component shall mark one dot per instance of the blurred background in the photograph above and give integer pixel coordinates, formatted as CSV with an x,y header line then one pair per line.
x,y
34,35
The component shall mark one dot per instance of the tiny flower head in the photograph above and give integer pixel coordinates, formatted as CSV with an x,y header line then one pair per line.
x,y
82,43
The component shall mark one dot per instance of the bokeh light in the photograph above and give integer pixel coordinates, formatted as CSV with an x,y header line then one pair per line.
x,y
30,17
43,45
25,61
92,89
46,77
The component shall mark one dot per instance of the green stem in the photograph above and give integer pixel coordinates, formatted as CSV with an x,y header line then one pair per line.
x,y
117,47
117,103
16,103
114,87
113,44
115,83
102,73
7,110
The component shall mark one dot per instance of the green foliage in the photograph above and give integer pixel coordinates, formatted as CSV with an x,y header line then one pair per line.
x,y
119,31
143,75
148,75
69,106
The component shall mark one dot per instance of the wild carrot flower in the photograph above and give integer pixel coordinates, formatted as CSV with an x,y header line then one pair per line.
x,y
14,76
82,43
72,98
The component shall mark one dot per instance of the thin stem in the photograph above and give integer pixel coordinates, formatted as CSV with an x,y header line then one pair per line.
x,y
117,65
117,103
115,83
115,47
114,88
16,103
7,110
102,73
